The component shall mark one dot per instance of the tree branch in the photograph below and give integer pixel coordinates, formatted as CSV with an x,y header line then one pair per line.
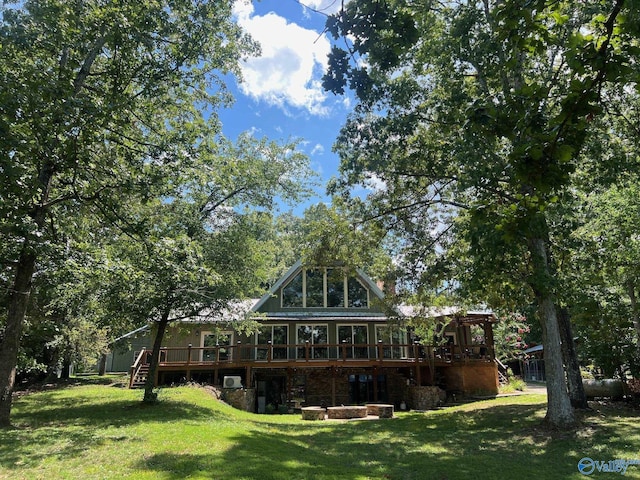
x,y
78,83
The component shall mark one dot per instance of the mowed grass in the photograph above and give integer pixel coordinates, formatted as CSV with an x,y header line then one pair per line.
x,y
100,431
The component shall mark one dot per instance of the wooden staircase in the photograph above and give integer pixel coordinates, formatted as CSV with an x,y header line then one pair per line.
x,y
139,371
140,377
502,372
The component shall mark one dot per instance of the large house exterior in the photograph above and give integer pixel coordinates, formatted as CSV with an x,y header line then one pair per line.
x,y
324,340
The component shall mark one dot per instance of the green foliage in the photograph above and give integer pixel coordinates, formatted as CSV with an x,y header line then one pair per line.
x,y
606,259
119,195
514,384
330,235
475,129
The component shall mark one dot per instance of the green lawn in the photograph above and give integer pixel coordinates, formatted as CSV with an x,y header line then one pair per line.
x,y
101,431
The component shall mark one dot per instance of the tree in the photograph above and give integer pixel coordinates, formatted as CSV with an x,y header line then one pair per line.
x,y
204,247
101,102
604,279
473,115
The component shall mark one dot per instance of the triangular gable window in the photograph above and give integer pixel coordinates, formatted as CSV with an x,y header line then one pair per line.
x,y
324,288
357,293
292,292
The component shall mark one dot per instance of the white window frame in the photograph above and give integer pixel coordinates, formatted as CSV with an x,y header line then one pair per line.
x,y
204,334
345,286
453,335
352,345
403,340
272,326
311,345
346,292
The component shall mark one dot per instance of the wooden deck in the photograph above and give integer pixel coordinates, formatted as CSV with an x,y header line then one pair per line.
x,y
250,356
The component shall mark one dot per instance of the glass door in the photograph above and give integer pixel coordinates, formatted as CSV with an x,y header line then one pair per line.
x,y
216,346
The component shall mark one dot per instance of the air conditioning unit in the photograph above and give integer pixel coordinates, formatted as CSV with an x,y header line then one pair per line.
x,y
232,382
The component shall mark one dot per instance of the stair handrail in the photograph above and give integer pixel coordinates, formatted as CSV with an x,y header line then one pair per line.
x,y
502,371
135,368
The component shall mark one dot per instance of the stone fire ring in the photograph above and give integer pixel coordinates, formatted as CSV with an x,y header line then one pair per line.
x,y
351,411
313,413
380,410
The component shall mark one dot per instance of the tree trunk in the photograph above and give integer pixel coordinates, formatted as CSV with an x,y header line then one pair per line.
x,y
102,364
635,314
149,395
66,368
18,301
560,414
570,357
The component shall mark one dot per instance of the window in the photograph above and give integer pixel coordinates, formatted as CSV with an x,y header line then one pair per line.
x,y
220,343
357,294
357,338
292,292
394,339
315,288
314,336
278,335
324,288
335,288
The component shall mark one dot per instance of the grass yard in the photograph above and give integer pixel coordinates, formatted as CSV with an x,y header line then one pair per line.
x,y
101,431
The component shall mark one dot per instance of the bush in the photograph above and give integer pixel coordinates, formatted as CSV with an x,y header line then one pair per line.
x,y
634,389
513,384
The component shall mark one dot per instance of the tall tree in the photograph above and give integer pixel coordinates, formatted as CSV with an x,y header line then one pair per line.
x,y
603,280
100,101
478,111
204,248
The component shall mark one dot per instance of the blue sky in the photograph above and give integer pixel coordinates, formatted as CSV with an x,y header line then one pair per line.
x,y
281,96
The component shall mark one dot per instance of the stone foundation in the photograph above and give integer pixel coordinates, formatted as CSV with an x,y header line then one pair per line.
x,y
240,398
425,398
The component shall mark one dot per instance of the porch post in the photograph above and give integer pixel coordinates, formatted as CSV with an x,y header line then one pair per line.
x,y
248,373
489,339
375,383
333,387
189,362
416,358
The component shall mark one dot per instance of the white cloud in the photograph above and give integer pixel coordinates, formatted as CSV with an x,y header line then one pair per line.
x,y
324,6
253,131
317,149
292,62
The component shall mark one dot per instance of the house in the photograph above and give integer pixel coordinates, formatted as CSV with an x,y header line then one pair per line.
x,y
325,340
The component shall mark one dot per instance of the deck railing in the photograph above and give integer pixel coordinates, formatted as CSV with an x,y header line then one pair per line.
x,y
250,354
